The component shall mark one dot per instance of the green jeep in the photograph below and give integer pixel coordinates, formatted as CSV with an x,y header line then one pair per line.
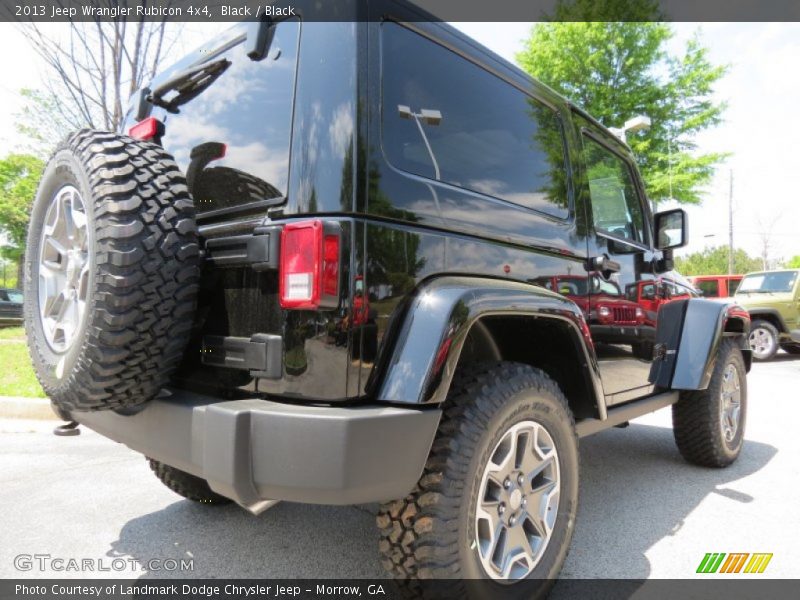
x,y
773,300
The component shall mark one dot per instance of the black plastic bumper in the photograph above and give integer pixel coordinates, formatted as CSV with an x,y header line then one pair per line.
x,y
254,451
795,335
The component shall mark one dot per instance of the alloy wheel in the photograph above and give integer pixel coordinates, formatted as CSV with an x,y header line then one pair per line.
x,y
63,269
517,502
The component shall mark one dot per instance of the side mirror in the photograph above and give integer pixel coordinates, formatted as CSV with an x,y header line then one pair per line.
x,y
671,228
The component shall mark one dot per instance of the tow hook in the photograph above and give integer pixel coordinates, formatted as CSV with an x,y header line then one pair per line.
x,y
70,428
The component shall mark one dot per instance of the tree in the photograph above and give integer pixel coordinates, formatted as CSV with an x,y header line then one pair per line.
x,y
19,176
794,262
616,70
714,261
93,68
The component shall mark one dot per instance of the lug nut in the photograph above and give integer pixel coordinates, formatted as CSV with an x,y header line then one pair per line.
x,y
512,521
501,509
524,502
507,483
520,479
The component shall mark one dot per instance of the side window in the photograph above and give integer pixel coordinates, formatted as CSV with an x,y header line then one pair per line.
x,y
447,119
249,109
649,291
616,207
709,287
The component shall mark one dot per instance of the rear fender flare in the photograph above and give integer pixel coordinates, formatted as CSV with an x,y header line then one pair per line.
x,y
437,320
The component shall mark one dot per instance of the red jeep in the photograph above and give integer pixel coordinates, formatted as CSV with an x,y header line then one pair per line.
x,y
716,286
611,317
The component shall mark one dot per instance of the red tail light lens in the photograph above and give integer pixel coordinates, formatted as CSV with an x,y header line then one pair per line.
x,y
146,130
309,266
330,265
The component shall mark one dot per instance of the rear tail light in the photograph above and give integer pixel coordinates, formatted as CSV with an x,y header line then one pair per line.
x,y
147,130
309,265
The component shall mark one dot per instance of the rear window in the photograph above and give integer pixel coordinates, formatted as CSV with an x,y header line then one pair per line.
x,y
448,119
709,287
249,109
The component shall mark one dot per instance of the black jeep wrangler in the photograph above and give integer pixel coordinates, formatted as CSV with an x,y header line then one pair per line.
x,y
308,273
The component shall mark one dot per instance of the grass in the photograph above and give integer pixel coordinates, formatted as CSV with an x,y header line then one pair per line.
x,y
12,333
16,371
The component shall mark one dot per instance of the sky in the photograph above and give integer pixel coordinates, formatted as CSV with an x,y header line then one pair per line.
x,y
761,127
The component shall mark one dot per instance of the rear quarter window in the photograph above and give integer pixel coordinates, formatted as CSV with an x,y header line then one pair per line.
x,y
491,138
709,287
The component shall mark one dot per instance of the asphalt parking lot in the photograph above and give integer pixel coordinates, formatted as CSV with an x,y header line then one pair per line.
x,y
644,513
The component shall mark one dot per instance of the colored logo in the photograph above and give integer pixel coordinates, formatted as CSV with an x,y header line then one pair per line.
x,y
736,562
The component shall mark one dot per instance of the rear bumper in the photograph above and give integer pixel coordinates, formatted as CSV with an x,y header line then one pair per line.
x,y
795,335
254,451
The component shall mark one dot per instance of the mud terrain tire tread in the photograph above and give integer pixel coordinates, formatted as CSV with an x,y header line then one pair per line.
x,y
146,274
696,420
186,485
419,534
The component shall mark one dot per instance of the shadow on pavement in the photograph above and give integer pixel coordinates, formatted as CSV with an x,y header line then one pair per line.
x,y
287,541
635,490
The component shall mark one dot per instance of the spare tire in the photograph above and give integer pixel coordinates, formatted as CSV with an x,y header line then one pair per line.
x,y
111,272
224,187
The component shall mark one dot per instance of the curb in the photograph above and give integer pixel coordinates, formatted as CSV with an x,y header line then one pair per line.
x,y
26,408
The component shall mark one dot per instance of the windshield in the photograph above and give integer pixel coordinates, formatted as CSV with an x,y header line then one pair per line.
x,y
777,281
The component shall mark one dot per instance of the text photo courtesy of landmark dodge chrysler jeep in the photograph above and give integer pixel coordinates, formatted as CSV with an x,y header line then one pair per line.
x,y
321,276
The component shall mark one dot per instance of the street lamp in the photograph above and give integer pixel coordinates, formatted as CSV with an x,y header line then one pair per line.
x,y
637,123
429,116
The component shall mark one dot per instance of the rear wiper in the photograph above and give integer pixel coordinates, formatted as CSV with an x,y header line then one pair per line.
x,y
188,84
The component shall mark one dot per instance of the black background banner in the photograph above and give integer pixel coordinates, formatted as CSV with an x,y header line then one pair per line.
x,y
346,10
712,587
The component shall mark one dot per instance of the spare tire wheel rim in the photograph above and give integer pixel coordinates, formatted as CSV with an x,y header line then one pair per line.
x,y
517,502
64,269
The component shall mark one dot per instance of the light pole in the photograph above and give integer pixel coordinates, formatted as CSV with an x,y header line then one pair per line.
x,y
637,123
430,117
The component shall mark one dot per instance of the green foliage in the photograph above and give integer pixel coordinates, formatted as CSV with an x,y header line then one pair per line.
x,y
43,121
793,263
714,261
18,378
19,176
617,70
8,268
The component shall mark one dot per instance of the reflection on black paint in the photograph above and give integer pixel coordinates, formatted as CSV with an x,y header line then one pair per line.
x,y
256,135
499,142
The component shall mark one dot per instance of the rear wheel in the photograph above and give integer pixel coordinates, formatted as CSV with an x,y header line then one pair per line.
x,y
497,500
709,424
763,339
186,485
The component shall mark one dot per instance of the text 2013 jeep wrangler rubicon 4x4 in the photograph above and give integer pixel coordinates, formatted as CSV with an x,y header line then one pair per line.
x,y
308,273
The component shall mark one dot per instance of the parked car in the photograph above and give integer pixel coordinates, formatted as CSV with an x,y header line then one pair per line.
x,y
274,178
716,286
611,317
773,300
10,306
